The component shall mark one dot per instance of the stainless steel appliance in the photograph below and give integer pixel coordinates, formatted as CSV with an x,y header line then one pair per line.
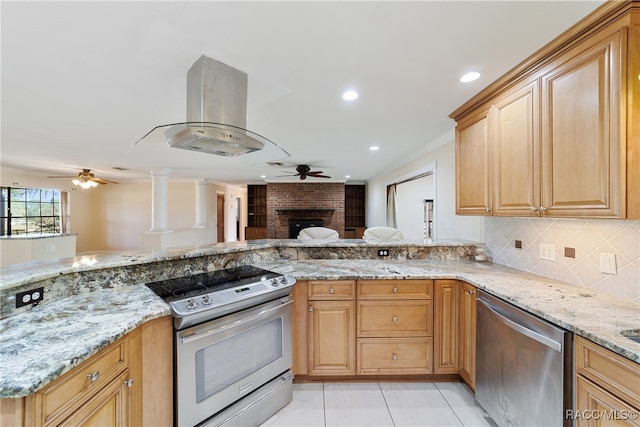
x,y
232,345
523,366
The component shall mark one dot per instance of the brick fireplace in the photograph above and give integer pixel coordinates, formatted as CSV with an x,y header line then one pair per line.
x,y
304,201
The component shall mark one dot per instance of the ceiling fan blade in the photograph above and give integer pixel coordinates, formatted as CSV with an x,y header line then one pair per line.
x,y
320,176
103,181
315,173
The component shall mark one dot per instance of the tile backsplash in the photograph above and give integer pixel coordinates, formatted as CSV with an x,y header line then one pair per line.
x,y
589,238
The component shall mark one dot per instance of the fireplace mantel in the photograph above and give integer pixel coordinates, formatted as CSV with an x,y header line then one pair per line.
x,y
305,213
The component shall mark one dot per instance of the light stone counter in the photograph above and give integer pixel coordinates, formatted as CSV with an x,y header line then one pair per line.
x,y
92,307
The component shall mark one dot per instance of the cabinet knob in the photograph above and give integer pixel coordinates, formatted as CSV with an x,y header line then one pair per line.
x,y
129,382
330,290
542,209
395,290
310,308
394,357
93,376
533,209
395,319
488,209
471,291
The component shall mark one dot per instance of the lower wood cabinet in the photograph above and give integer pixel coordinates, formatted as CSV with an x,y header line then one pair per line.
x,y
129,383
384,327
445,352
332,337
467,334
607,386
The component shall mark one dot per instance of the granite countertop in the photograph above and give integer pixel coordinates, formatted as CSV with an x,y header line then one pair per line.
x,y
38,346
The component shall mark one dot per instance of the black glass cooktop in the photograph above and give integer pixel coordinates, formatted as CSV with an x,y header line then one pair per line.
x,y
213,281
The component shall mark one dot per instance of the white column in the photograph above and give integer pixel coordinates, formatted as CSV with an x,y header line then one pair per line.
x,y
159,200
201,204
230,215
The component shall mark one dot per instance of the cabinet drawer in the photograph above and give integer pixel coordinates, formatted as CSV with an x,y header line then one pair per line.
x,y
331,290
74,387
395,318
395,355
620,376
395,289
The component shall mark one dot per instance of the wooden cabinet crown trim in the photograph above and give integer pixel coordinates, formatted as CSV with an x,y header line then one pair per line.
x,y
608,12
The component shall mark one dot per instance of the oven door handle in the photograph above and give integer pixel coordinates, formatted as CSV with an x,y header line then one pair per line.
x,y
217,329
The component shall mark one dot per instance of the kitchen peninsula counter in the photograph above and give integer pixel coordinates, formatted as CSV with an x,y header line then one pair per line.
x,y
41,343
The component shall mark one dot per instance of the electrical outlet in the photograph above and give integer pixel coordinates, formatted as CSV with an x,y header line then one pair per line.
x,y
34,296
383,252
518,244
448,224
548,251
608,263
570,252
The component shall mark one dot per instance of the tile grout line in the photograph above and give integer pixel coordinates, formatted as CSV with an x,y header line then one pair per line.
x,y
387,405
448,404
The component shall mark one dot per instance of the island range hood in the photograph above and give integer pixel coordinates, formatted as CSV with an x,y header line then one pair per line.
x,y
216,115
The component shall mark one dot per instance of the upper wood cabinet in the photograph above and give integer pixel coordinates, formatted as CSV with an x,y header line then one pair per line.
x,y
473,171
559,135
515,150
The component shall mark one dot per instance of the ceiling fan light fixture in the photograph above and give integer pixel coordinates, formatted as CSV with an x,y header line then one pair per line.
x,y
84,184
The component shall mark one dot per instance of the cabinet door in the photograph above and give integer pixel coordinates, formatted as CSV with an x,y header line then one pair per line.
x,y
331,337
596,407
109,407
583,165
467,337
445,351
473,191
516,156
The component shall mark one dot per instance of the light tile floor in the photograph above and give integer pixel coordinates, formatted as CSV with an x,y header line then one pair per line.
x,y
381,404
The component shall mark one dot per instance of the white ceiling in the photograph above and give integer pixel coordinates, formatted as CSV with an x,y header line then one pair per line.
x,y
83,81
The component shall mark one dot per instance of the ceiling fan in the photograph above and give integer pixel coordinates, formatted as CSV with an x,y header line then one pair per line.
x,y
86,179
304,171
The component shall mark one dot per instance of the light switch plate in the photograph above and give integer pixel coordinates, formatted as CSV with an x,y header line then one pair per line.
x,y
548,251
608,263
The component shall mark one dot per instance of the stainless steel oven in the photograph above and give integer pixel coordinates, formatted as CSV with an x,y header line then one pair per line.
x,y
232,345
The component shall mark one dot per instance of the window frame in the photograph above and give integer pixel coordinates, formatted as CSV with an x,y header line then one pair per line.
x,y
34,200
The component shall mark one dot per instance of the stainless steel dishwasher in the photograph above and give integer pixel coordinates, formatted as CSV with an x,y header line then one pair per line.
x,y
523,366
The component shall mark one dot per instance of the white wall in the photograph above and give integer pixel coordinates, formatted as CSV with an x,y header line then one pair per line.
x,y
410,196
448,225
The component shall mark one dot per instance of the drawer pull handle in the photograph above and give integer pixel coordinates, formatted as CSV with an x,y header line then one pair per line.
x,y
395,319
395,290
129,382
395,356
310,308
93,376
471,291
330,290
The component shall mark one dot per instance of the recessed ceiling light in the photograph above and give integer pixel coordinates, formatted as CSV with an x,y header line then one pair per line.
x,y
350,95
347,176
374,148
469,77
263,176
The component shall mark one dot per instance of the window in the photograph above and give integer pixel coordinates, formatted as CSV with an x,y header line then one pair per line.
x,y
29,211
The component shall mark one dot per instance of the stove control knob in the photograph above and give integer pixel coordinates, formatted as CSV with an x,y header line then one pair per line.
x,y
191,304
283,280
274,282
206,300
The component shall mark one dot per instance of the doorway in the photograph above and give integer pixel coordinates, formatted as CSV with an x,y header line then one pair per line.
x,y
220,217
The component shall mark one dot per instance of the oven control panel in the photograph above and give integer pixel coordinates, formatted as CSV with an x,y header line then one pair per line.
x,y
219,299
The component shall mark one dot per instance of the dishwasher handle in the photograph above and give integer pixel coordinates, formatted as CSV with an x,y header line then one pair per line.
x,y
557,346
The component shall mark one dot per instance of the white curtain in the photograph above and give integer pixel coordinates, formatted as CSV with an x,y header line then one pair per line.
x,y
392,211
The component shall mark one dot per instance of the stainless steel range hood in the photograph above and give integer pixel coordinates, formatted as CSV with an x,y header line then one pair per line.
x,y
217,116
